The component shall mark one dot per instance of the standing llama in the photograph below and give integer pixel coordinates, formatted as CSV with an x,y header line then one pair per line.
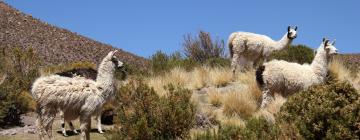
x,y
246,48
76,97
88,73
287,78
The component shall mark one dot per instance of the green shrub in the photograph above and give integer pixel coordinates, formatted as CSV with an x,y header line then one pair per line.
x,y
328,111
20,66
255,128
145,115
295,53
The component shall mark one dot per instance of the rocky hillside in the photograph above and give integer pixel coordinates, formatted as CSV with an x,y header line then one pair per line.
x,y
54,45
351,60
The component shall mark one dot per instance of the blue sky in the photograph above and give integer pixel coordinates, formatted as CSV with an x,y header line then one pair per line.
x,y
143,27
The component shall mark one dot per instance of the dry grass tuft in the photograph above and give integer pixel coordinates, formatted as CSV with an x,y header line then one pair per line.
x,y
235,120
338,68
199,77
220,76
215,98
240,103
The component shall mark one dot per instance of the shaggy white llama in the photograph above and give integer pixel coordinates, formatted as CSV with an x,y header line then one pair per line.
x,y
246,48
76,97
79,73
286,78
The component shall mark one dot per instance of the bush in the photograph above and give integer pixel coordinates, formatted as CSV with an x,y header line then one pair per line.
x,y
295,53
162,62
145,115
20,66
202,48
329,111
256,128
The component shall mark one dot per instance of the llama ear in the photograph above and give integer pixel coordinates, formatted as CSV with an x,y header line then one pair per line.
x,y
114,52
295,28
326,43
289,28
333,43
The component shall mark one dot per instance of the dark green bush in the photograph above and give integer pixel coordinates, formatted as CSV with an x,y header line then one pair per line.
x,y
295,53
328,111
20,67
145,115
255,128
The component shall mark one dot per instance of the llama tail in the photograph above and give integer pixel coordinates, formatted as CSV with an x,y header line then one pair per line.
x,y
230,45
259,76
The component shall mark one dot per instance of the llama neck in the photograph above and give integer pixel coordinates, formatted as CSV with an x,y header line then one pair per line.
x,y
283,42
319,65
105,77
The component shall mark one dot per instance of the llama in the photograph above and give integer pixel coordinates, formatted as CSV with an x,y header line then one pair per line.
x,y
246,48
76,97
287,78
88,73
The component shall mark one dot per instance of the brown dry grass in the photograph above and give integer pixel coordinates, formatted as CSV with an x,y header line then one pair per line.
x,y
220,76
215,98
240,103
199,78
343,73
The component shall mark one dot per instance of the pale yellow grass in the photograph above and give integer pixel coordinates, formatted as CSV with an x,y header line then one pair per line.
x,y
177,76
199,77
338,68
270,110
344,74
215,98
241,103
220,76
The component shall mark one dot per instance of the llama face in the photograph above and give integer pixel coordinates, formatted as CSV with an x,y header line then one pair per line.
x,y
292,34
329,47
118,64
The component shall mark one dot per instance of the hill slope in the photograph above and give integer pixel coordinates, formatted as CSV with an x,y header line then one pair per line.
x,y
54,45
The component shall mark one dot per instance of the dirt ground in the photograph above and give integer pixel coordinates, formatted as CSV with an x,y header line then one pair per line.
x,y
27,132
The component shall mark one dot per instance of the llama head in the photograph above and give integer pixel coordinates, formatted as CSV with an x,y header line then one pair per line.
x,y
115,62
291,32
329,47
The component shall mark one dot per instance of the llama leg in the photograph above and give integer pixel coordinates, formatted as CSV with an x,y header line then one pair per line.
x,y
234,63
98,118
73,128
40,127
63,130
49,119
85,125
249,65
267,97
242,63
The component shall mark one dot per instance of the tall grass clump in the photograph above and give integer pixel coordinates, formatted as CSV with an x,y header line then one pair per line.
x,y
144,114
239,103
220,76
215,98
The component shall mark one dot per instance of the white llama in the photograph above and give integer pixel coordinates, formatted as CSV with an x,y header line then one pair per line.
x,y
287,78
76,97
79,73
246,48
